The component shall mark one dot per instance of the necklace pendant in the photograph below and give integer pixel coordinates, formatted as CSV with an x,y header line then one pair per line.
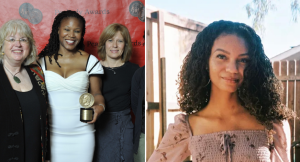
x,y
114,72
17,80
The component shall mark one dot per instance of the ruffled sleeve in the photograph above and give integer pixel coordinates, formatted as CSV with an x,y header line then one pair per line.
x,y
282,142
94,66
174,145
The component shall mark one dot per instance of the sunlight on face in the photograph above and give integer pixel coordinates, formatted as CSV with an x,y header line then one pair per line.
x,y
227,62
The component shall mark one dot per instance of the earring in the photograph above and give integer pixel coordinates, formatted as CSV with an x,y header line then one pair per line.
x,y
2,53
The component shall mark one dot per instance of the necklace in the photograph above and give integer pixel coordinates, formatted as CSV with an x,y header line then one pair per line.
x,y
112,68
16,79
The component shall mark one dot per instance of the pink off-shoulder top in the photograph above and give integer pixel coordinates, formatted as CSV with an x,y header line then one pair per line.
x,y
226,146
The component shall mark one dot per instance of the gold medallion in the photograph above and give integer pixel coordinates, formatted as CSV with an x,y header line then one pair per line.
x,y
86,100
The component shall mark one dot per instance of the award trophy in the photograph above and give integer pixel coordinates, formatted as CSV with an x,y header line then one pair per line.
x,y
86,100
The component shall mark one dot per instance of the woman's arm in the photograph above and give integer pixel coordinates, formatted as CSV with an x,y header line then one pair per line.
x,y
282,142
95,90
174,145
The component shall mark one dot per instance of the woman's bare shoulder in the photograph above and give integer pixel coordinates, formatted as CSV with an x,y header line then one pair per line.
x,y
84,53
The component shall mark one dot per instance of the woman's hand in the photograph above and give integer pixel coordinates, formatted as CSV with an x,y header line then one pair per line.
x,y
95,90
98,110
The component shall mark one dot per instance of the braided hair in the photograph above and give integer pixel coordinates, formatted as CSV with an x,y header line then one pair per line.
x,y
53,45
260,91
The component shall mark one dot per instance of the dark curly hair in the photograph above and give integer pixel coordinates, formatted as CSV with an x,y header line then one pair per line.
x,y
53,45
260,90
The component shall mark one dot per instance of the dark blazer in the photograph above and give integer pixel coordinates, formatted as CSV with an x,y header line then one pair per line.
x,y
11,124
138,103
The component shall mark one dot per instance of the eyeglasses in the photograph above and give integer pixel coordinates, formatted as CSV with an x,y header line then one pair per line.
x,y
21,40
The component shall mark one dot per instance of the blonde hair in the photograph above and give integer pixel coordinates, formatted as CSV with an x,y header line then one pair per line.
x,y
108,33
20,27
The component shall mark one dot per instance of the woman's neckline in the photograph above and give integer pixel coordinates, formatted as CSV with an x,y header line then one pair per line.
x,y
231,131
114,67
25,91
222,132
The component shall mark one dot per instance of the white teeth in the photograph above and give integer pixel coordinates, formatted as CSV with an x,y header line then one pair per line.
x,y
70,41
17,51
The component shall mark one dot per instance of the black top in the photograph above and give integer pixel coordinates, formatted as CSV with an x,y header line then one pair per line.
x,y
31,119
116,86
143,116
11,126
138,105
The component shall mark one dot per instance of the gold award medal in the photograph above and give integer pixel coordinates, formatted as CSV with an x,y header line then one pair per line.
x,y
86,100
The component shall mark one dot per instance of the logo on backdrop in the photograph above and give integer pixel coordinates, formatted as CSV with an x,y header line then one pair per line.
x,y
27,11
137,9
141,15
139,43
92,44
87,12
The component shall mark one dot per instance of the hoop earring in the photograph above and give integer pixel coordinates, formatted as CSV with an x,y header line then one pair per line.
x,y
207,83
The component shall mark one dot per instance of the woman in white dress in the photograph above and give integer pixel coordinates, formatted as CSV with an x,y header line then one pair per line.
x,y
73,73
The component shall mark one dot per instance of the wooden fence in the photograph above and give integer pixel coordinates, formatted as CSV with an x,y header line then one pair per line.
x,y
289,74
169,38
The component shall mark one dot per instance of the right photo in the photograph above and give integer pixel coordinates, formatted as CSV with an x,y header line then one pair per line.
x,y
222,81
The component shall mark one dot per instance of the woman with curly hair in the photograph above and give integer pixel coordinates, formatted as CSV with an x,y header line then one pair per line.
x,y
74,73
231,98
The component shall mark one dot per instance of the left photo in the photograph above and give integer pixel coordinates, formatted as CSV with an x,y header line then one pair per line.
x,y
72,79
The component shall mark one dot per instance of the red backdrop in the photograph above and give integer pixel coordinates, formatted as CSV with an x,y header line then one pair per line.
x,y
39,15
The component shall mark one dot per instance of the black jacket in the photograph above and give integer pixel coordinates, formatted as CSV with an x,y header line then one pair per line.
x,y
138,103
11,125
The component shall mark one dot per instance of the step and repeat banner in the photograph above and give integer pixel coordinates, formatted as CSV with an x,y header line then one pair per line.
x,y
39,15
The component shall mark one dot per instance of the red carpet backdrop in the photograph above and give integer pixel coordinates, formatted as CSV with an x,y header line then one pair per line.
x,y
39,15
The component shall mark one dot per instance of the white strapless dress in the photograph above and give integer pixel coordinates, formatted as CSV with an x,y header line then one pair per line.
x,y
70,139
